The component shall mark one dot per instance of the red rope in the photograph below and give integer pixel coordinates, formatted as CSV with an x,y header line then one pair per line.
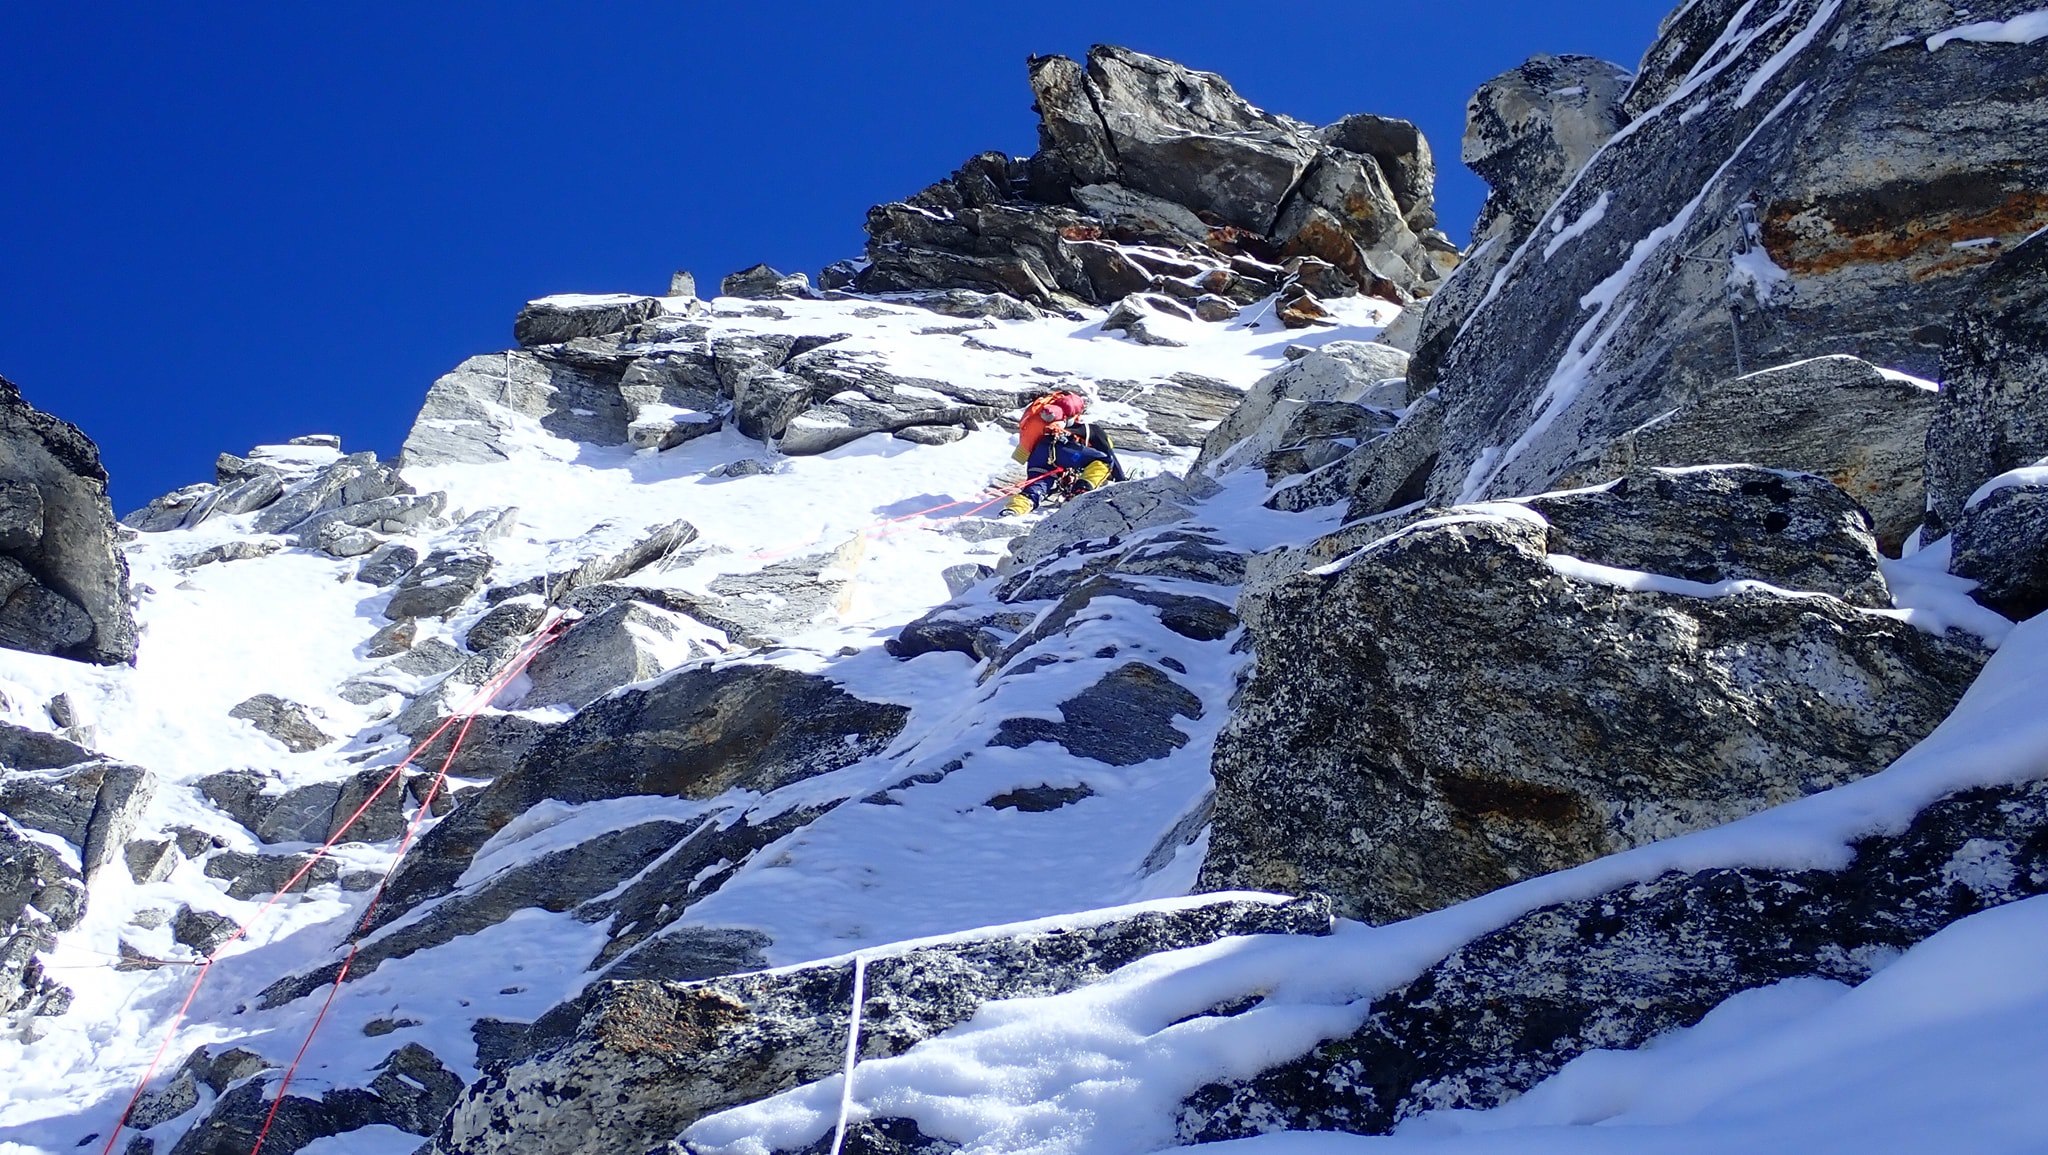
x,y
889,530
483,698
412,828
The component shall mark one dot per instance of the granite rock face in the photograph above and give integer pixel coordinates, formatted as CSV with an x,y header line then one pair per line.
x,y
1993,414
63,584
1528,132
1829,184
1456,708
670,1054
1722,524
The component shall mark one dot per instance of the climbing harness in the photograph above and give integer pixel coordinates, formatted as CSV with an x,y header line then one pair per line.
x,y
549,630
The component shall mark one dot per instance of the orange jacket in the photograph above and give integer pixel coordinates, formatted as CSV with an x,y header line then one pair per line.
x,y
1040,414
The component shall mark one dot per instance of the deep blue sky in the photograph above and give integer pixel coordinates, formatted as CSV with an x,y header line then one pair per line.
x,y
225,224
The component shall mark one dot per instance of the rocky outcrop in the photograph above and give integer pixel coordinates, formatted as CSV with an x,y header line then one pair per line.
x,y
1152,177
63,584
1463,705
1528,132
670,1054
1823,181
553,320
760,282
1844,419
1993,414
1614,971
471,411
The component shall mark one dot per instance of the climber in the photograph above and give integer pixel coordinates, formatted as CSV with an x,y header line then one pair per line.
x,y
1056,446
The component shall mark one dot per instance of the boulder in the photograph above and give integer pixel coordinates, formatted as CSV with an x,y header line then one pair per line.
x,y
288,722
605,552
765,402
1826,176
2001,543
671,1054
1101,516
63,582
553,320
970,304
673,396
1137,317
359,480
1455,708
1839,417
386,564
630,642
1298,308
412,1091
40,894
1381,474
1616,971
240,549
24,749
1993,413
439,584
1153,177
93,805
1403,156
1179,411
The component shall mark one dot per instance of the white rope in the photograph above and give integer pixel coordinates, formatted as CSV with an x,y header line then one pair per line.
x,y
860,982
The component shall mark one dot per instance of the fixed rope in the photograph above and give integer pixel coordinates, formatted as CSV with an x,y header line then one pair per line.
x,y
860,982
890,526
550,629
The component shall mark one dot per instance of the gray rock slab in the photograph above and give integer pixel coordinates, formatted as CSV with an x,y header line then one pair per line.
x,y
1835,416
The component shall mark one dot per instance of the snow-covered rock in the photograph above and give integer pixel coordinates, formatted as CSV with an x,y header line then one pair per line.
x,y
670,1054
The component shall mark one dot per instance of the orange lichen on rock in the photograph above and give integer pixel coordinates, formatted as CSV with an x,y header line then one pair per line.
x,y
1918,227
